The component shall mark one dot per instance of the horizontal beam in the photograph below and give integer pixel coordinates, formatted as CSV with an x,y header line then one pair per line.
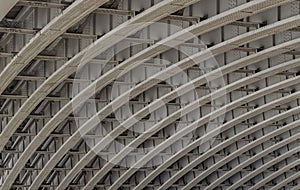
x,y
41,4
58,58
20,97
69,35
248,24
247,49
39,57
183,18
61,135
143,120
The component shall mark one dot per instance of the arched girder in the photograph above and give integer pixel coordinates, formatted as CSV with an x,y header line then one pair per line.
x,y
276,173
257,171
33,124
251,160
176,115
268,164
70,16
199,81
184,64
161,168
145,18
240,151
66,110
252,174
102,44
104,170
287,180
121,32
192,127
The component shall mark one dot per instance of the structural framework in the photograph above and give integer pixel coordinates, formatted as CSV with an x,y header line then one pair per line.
x,y
149,94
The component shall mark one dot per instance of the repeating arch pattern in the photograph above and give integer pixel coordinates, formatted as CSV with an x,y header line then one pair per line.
x,y
152,81
191,165
284,156
73,14
295,124
175,116
70,66
60,154
254,42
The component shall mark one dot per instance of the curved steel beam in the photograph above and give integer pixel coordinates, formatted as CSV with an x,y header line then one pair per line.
x,y
266,165
70,16
269,164
144,19
201,80
260,169
151,176
121,32
239,152
287,180
234,155
105,169
176,115
228,45
189,129
140,21
276,173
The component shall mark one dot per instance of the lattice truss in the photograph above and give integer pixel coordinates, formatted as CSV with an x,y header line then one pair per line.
x,y
152,94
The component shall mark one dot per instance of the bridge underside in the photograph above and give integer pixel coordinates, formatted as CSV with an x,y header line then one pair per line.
x,y
152,94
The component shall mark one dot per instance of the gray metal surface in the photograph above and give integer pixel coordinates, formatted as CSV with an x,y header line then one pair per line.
x,y
158,94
